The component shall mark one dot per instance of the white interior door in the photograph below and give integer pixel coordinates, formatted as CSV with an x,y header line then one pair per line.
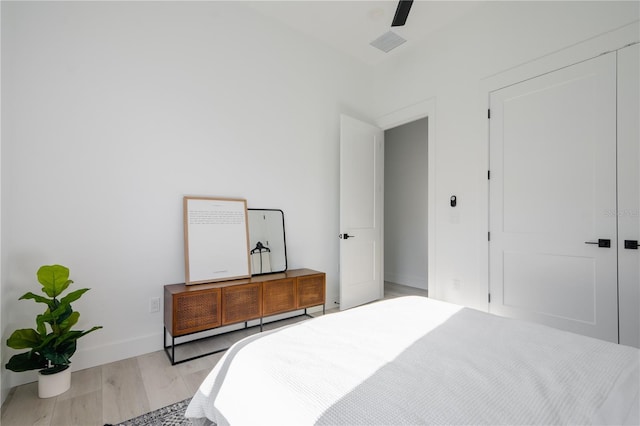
x,y
361,209
552,194
629,193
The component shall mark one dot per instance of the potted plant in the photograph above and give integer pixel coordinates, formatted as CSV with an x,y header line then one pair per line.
x,y
53,342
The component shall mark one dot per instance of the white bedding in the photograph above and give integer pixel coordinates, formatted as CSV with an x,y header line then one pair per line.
x,y
414,360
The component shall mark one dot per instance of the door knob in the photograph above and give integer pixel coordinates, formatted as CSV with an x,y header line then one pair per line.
x,y
601,242
631,244
346,236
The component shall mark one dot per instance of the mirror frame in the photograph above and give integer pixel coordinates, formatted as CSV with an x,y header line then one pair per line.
x,y
284,239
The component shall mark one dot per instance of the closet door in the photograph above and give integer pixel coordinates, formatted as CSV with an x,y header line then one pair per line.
x,y
553,245
629,193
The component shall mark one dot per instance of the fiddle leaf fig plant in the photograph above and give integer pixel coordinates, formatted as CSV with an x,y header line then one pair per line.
x,y
53,342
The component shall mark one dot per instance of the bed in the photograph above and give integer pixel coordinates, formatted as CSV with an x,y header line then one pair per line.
x,y
414,360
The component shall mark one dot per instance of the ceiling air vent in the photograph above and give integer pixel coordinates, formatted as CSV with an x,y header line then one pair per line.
x,y
387,41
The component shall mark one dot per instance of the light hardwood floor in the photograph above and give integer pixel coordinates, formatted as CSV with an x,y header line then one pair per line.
x,y
392,290
121,390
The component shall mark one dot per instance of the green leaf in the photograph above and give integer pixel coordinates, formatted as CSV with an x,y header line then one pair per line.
x,y
41,321
73,296
61,354
26,361
62,312
69,322
54,279
97,327
48,340
39,299
69,336
66,314
55,318
76,334
24,338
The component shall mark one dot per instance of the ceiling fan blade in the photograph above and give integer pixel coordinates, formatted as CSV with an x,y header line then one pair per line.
x,y
402,11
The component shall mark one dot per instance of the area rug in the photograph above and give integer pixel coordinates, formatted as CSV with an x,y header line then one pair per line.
x,y
171,415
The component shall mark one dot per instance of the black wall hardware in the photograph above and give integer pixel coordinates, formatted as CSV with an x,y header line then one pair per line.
x,y
601,243
453,201
631,244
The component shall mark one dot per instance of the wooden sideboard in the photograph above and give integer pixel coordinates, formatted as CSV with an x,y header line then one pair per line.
x,y
191,309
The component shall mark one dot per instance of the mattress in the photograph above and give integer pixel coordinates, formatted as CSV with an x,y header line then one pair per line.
x,y
414,360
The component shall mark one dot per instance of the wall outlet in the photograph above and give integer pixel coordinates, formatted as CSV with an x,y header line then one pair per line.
x,y
154,304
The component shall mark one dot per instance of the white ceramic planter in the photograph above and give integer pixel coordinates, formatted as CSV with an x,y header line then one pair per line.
x,y
50,385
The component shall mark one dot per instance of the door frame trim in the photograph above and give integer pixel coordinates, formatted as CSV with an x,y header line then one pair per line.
x,y
410,113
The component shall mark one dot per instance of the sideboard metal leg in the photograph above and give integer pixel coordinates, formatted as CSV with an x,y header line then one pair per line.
x,y
172,355
173,350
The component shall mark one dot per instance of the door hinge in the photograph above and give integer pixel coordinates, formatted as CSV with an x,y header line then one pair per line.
x,y
488,236
489,297
488,174
488,113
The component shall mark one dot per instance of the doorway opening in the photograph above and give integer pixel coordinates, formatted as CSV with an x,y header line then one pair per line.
x,y
405,209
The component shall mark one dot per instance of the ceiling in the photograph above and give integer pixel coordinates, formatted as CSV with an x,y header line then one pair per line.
x,y
349,26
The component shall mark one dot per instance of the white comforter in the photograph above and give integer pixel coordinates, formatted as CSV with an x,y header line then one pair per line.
x,y
414,360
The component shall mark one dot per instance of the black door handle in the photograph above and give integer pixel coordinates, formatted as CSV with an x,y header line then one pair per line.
x,y
601,242
346,236
631,244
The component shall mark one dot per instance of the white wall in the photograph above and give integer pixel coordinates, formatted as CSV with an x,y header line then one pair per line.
x,y
3,312
405,204
450,67
113,111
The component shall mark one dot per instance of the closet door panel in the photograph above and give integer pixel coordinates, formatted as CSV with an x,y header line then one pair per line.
x,y
629,193
552,197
